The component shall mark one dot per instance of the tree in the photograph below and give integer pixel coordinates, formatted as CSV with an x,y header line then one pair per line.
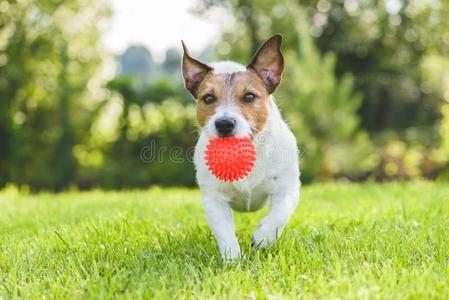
x,y
382,43
137,61
171,63
322,112
320,107
52,69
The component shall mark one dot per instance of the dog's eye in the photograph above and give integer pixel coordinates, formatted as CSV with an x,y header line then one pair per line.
x,y
249,97
209,99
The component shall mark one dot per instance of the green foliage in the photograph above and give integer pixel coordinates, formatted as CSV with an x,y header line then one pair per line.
x,y
155,148
388,54
368,241
162,89
156,133
442,153
365,92
382,43
322,112
436,74
50,87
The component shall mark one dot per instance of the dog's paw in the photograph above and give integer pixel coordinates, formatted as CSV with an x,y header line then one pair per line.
x,y
235,259
265,236
229,254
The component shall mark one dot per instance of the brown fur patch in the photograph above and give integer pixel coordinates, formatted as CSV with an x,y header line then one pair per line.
x,y
233,87
256,112
213,84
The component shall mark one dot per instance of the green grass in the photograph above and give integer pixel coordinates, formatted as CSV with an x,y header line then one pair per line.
x,y
371,241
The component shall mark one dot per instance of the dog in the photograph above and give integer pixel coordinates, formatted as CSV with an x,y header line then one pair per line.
x,y
234,100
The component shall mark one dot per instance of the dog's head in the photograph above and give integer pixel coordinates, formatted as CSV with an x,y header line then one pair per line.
x,y
233,100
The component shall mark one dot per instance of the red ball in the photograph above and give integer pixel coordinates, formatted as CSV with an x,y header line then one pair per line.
x,y
230,158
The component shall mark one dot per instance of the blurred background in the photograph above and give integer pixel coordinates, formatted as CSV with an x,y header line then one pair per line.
x,y
86,86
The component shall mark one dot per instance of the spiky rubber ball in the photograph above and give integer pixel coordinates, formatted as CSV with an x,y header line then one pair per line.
x,y
230,158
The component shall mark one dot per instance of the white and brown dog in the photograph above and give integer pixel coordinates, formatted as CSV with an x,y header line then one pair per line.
x,y
234,100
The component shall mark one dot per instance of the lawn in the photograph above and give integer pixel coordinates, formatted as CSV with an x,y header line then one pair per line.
x,y
388,241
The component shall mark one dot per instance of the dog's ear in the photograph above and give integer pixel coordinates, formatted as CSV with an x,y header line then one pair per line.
x,y
268,62
193,71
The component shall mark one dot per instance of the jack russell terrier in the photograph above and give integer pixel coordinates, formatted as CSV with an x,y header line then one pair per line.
x,y
234,100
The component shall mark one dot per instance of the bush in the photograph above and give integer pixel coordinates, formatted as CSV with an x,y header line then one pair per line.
x,y
322,112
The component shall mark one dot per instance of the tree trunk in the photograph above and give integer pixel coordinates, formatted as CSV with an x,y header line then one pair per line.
x,y
65,166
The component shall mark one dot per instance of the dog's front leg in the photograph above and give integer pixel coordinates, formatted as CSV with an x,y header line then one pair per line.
x,y
283,204
221,221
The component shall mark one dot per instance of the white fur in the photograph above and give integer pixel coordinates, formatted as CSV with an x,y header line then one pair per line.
x,y
274,179
226,67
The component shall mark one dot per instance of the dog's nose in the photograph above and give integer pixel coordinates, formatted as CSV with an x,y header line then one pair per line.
x,y
225,126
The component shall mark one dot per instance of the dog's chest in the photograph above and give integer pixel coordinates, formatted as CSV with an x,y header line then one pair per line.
x,y
252,193
242,199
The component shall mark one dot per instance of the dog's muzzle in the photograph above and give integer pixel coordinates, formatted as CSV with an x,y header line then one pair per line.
x,y
225,126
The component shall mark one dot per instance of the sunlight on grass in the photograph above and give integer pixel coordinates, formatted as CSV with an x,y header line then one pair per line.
x,y
349,241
